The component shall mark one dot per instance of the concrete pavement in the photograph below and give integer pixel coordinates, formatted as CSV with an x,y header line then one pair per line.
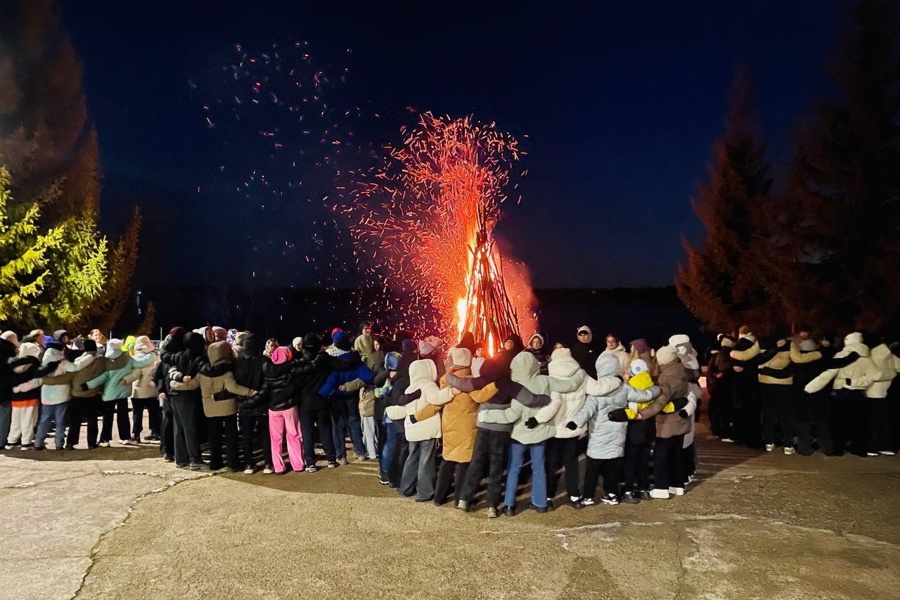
x,y
120,523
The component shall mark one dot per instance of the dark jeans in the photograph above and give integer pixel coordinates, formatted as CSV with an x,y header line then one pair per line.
x,y
779,410
807,430
636,464
345,415
187,445
847,419
450,473
322,419
489,451
83,409
119,408
879,434
216,428
418,472
138,406
667,462
563,452
609,468
390,452
167,433
260,426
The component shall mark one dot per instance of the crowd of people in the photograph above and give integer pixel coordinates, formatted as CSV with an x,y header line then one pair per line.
x,y
443,420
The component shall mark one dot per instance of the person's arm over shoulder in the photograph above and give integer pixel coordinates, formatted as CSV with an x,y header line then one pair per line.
x,y
508,416
587,412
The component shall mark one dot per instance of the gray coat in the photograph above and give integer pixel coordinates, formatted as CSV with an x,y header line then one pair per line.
x,y
607,438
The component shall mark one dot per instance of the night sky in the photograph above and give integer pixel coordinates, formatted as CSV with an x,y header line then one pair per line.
x,y
621,105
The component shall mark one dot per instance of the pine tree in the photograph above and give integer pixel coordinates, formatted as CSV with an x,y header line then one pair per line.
x,y
50,276
724,282
47,140
844,191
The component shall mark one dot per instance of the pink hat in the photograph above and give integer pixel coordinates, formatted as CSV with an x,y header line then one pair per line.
x,y
282,354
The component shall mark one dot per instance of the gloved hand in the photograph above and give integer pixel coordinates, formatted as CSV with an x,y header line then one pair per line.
x,y
618,416
84,387
412,419
571,425
679,403
847,381
531,423
683,414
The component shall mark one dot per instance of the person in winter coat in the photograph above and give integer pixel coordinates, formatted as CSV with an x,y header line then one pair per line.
x,y
419,470
606,439
850,384
118,365
776,384
585,350
536,347
345,403
615,348
253,417
144,393
219,391
670,428
364,345
25,401
55,398
314,410
184,353
564,447
458,427
813,410
395,449
880,434
284,424
15,371
745,389
721,407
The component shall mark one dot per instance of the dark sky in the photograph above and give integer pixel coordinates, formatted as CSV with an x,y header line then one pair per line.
x,y
621,103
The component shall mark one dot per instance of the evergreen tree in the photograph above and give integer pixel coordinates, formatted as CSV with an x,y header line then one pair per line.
x,y
725,281
47,277
47,140
842,220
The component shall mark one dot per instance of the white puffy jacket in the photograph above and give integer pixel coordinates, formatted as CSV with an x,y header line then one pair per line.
x,y
861,373
888,366
423,376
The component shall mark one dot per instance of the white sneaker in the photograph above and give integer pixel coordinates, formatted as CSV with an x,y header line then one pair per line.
x,y
676,491
125,442
770,447
267,471
659,494
248,471
871,454
587,501
574,499
788,450
727,440
103,444
882,452
8,447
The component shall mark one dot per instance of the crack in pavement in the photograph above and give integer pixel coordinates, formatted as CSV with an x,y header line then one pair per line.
x,y
95,550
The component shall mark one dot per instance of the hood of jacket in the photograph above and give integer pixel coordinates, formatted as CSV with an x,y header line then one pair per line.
x,y
195,343
607,365
854,343
219,353
253,345
392,361
524,367
364,344
562,365
421,372
29,349
114,348
53,355
143,345
536,336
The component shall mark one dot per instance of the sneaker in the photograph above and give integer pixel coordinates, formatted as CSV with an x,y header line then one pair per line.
x,y
629,498
575,502
169,459
788,450
342,461
676,491
587,502
312,469
871,454
8,447
198,466
268,471
644,495
332,464
126,442
462,505
659,494
151,438
492,513
103,444
881,452
249,471
610,499
770,447
383,478
727,440
39,448
540,509
509,511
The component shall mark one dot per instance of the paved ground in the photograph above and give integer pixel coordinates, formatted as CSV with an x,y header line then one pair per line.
x,y
120,523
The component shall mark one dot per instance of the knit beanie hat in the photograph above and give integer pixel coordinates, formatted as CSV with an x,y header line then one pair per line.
x,y
297,342
312,342
460,358
282,354
641,345
666,355
341,340
637,366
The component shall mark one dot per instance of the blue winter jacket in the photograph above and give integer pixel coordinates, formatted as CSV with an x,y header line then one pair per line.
x,y
340,377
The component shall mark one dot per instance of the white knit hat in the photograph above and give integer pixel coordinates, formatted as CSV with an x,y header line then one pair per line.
x,y
461,357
